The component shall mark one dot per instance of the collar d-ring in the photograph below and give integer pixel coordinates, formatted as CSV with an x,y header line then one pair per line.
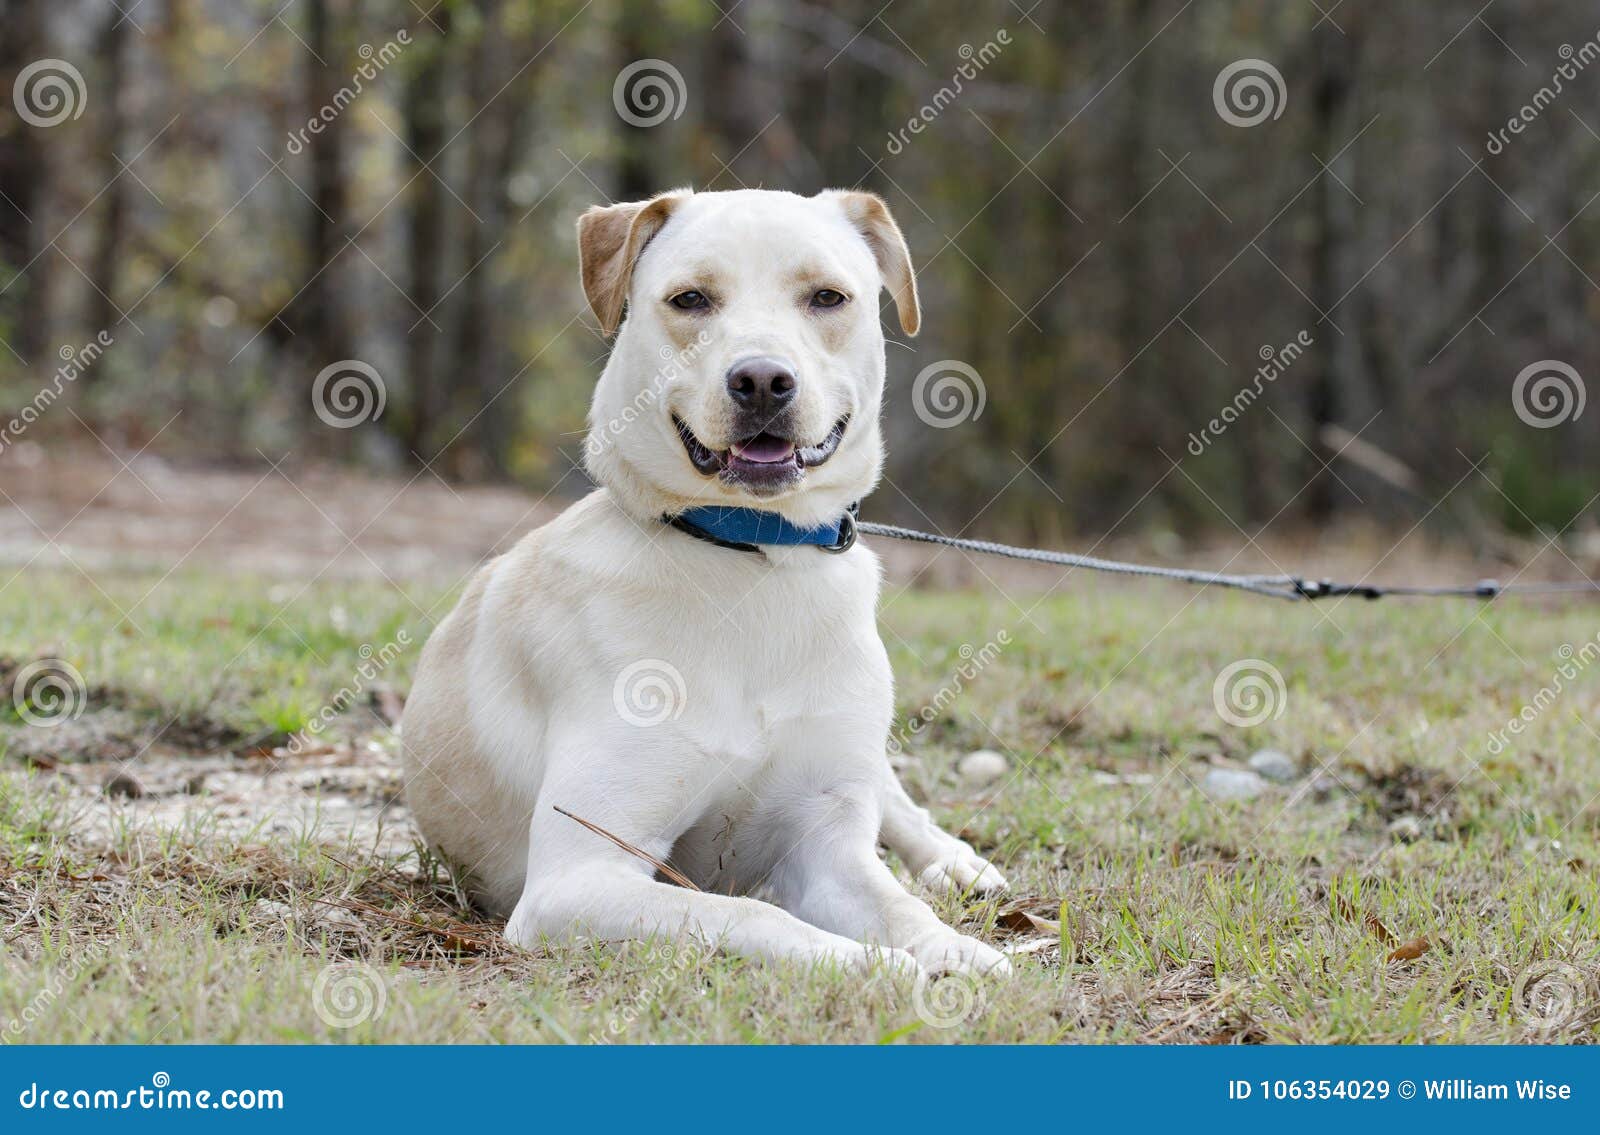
x,y
847,534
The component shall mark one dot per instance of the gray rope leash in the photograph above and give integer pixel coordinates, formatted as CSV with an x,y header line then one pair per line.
x,y
1290,587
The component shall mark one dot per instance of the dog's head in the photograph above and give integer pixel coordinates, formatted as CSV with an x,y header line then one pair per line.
x,y
749,368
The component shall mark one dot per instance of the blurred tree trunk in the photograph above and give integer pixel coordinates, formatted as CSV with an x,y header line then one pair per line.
x,y
743,101
1328,392
322,310
1138,395
812,105
1487,240
425,100
224,420
635,171
113,219
1066,241
25,185
487,410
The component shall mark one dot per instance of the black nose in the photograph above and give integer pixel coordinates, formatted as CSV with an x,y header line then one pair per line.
x,y
761,385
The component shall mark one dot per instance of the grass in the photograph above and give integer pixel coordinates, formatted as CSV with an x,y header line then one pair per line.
x,y
196,912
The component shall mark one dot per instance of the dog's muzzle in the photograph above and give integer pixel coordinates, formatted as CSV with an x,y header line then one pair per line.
x,y
764,460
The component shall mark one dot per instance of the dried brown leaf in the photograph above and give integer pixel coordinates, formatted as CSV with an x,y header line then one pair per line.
x,y
1018,918
1380,931
1343,907
1410,951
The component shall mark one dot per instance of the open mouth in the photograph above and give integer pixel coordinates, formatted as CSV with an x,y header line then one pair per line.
x,y
763,460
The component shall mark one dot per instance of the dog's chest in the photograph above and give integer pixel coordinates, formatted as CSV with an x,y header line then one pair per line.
x,y
792,676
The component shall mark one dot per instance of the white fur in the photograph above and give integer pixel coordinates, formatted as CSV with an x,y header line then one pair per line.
x,y
762,774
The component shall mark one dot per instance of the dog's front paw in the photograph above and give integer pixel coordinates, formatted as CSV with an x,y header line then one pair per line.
x,y
964,870
950,952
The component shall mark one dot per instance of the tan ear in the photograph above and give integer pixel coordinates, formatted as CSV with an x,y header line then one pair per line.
x,y
610,239
872,219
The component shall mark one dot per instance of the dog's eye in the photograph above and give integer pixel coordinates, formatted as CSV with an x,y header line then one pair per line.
x,y
690,301
827,297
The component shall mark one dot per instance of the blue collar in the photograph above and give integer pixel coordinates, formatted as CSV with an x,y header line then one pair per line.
x,y
748,529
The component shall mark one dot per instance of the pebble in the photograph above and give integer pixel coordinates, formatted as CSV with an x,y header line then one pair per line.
x,y
338,918
902,761
1233,784
1407,829
1323,786
1275,766
982,768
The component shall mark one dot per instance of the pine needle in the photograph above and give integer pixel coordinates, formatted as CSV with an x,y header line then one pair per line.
x,y
672,873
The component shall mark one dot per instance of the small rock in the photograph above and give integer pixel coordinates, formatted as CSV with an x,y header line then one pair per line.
x,y
338,918
270,910
1323,786
1275,766
1406,829
123,785
902,761
982,768
1233,784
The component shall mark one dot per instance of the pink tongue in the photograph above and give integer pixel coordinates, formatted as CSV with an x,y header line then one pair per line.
x,y
765,448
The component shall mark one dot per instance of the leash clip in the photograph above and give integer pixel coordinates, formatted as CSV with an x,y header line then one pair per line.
x,y
1322,589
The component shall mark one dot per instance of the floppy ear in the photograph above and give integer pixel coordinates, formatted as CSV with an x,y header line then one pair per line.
x,y
872,220
610,239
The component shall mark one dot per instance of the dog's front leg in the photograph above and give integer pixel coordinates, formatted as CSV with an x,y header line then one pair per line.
x,y
581,885
831,876
938,858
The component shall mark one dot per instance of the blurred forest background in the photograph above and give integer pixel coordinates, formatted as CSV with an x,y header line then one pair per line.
x,y
1108,252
